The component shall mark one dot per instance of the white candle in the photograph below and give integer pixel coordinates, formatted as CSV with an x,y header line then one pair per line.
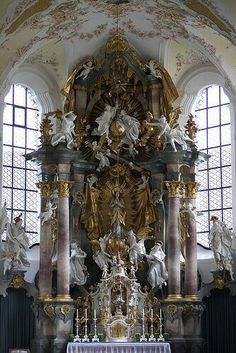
x,y
77,313
95,314
143,313
160,314
152,314
86,313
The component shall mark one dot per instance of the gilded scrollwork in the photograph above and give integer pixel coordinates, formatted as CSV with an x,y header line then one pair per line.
x,y
49,310
45,130
172,310
191,127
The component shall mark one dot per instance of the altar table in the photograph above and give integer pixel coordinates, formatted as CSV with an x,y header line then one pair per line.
x,y
121,347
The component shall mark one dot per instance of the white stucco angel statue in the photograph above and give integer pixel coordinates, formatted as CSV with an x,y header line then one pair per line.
x,y
157,273
47,214
92,179
131,127
103,159
171,135
220,241
136,249
104,121
66,131
153,69
101,257
144,182
87,68
16,246
78,270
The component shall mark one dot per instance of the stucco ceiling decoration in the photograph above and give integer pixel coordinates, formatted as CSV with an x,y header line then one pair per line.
x,y
27,26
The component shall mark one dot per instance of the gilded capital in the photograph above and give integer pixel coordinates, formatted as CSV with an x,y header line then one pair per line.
x,y
63,188
45,188
174,188
191,189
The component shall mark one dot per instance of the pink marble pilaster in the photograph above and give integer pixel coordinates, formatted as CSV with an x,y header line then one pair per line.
x,y
45,264
63,242
174,289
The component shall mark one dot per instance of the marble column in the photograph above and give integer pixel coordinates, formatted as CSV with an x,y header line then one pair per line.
x,y
45,264
155,88
63,241
191,280
173,237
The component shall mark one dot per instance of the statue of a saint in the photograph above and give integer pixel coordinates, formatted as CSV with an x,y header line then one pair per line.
x,y
66,132
118,215
16,246
87,68
90,212
220,241
101,257
157,274
78,270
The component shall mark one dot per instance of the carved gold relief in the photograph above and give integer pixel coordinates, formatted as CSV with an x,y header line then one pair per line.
x,y
49,310
172,310
17,281
65,310
96,214
45,130
191,127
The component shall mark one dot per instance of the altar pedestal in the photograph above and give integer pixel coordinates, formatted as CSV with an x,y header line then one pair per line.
x,y
132,347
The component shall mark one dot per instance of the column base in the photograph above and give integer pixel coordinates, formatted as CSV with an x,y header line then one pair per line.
x,y
63,298
44,298
191,298
173,298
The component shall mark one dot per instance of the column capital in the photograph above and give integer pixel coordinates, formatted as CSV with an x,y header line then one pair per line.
x,y
191,188
174,188
46,188
63,187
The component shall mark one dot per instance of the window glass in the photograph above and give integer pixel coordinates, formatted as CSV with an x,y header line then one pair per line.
x,y
215,175
20,136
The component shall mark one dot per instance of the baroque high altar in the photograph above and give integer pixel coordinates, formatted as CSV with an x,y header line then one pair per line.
x,y
118,209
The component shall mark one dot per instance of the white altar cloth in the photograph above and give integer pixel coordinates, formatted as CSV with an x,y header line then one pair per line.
x,y
121,347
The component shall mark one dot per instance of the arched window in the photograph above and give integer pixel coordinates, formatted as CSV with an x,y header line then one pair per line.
x,y
20,136
215,175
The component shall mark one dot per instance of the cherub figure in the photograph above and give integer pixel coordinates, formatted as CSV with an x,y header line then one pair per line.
x,y
87,68
66,131
47,215
153,70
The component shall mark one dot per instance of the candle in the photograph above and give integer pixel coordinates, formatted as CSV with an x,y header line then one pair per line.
x,y
160,314
152,314
95,314
77,313
143,313
86,313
